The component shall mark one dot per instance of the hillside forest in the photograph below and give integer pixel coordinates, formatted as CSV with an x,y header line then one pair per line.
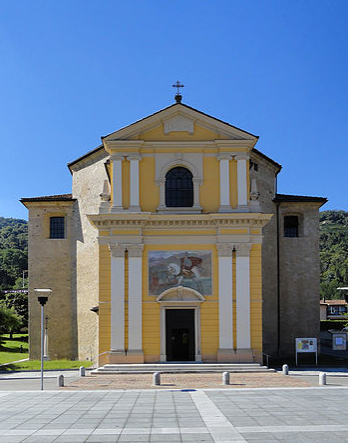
x,y
333,253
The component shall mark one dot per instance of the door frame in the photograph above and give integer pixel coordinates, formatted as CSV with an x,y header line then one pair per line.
x,y
197,329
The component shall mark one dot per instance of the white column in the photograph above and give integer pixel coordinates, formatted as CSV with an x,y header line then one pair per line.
x,y
117,183
243,295
225,205
135,299
117,297
134,183
225,299
242,181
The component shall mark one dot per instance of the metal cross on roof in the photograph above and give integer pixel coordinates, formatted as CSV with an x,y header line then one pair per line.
x,y
178,96
178,85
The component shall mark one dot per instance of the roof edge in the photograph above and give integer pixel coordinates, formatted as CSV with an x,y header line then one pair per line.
x,y
280,198
49,198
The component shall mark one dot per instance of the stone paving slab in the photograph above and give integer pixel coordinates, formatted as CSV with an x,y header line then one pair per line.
x,y
295,415
185,381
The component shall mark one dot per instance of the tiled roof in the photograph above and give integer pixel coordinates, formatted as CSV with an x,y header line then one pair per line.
x,y
48,198
298,198
333,302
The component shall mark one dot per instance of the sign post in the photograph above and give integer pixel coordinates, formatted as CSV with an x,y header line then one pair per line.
x,y
305,345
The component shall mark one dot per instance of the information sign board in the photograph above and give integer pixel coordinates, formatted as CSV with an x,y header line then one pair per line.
x,y
303,345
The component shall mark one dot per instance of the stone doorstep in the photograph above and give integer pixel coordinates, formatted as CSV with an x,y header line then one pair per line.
x,y
181,368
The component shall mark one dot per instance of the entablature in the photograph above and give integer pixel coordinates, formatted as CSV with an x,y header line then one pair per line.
x,y
181,222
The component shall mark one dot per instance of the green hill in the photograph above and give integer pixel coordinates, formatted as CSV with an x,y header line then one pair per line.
x,y
333,253
13,252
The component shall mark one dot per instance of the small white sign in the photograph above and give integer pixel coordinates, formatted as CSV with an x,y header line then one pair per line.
x,y
306,345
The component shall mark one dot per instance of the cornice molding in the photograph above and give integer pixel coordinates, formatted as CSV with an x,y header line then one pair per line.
x,y
176,221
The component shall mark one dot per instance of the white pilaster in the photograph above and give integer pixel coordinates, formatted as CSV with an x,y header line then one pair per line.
x,y
117,297
134,183
117,183
225,205
225,299
242,181
135,299
243,295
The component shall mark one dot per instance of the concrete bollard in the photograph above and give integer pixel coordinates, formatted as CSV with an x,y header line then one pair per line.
x,y
285,369
60,381
322,380
156,378
82,371
225,378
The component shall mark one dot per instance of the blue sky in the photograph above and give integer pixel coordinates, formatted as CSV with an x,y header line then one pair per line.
x,y
72,71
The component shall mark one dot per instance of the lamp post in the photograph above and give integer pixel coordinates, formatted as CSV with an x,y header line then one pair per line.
x,y
42,299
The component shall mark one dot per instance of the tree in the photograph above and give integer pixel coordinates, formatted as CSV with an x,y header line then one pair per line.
x,y
10,321
18,301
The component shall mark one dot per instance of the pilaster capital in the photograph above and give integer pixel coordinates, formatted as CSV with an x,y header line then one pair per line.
x,y
133,157
116,158
135,250
117,249
241,156
243,249
224,156
225,249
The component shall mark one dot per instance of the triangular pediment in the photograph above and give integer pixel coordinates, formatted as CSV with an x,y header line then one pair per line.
x,y
184,121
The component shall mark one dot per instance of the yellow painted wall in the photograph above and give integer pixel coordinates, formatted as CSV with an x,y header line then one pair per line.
x,y
149,191
200,133
209,329
209,192
255,298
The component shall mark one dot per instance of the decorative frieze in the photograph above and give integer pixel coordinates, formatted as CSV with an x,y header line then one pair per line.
x,y
209,222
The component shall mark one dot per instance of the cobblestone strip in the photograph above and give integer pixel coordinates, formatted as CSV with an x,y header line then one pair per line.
x,y
221,430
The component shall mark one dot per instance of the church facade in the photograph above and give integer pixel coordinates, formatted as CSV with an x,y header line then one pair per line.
x,y
174,246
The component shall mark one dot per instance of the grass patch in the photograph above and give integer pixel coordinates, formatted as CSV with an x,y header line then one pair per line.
x,y
10,349
35,365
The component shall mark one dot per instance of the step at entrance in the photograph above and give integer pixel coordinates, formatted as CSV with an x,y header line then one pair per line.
x,y
180,367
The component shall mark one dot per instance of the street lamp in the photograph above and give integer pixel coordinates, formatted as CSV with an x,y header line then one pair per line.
x,y
42,299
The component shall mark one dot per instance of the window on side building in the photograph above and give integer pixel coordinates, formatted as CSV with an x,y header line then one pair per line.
x,y
56,227
179,188
291,226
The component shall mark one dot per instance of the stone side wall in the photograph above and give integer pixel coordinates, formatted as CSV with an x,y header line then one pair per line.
x,y
88,181
51,266
300,276
265,179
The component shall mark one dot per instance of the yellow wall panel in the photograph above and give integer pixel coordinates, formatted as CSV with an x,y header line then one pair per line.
x,y
199,133
209,328
209,192
149,191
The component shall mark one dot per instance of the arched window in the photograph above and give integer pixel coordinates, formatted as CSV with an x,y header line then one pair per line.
x,y
179,188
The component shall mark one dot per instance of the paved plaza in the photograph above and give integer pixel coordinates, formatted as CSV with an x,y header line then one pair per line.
x,y
295,415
